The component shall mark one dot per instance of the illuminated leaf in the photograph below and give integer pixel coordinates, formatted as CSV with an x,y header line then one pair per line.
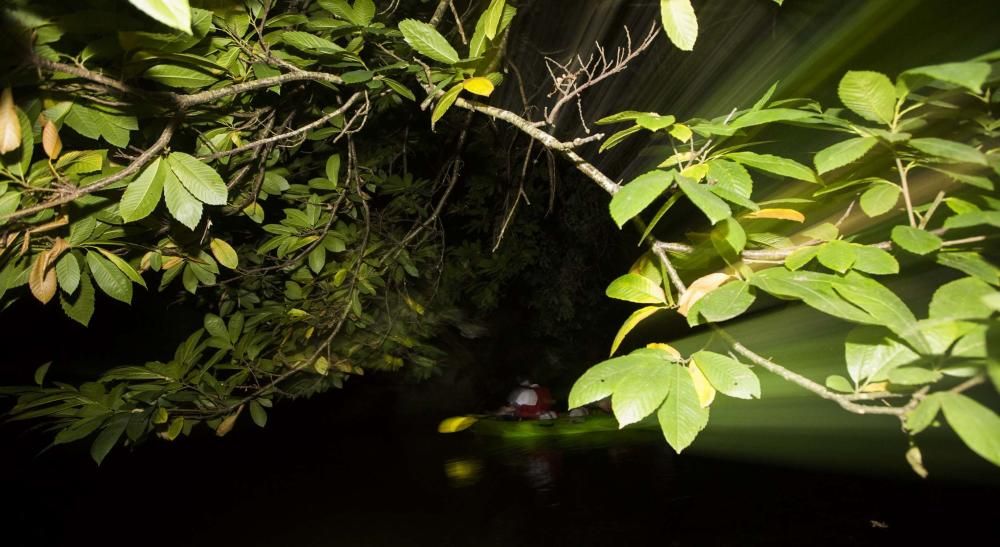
x,y
698,289
478,86
680,23
778,214
630,323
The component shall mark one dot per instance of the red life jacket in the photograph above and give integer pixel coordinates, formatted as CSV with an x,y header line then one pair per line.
x,y
542,405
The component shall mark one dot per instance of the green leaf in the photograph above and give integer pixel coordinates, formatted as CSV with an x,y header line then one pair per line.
x,y
874,261
837,255
915,240
633,287
970,75
142,195
317,259
871,352
728,375
400,89
775,164
630,323
801,257
961,299
108,437
617,138
654,122
216,326
491,18
333,168
364,10
258,414
838,383
879,199
729,238
224,253
882,304
680,23
632,198
310,43
600,380
124,267
109,278
975,218
868,94
181,204
199,179
770,115
40,373
68,273
923,416
173,13
681,416
710,204
444,103
843,153
913,376
641,390
427,41
972,264
976,425
80,306
722,304
949,150
814,289
184,77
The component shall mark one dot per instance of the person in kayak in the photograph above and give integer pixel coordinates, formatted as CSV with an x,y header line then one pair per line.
x,y
529,402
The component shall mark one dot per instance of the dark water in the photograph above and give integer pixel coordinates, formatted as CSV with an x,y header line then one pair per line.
x,y
311,484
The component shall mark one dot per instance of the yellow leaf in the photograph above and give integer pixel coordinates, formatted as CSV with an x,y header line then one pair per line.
x,y
699,288
667,348
916,461
322,366
780,214
456,424
224,253
630,323
50,140
706,393
10,126
479,86
695,172
170,262
877,387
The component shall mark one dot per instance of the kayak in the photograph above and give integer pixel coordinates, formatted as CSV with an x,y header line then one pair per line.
x,y
498,427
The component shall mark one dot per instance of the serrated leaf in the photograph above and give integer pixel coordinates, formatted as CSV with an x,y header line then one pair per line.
x,y
142,194
641,391
679,22
722,304
198,178
181,204
124,267
68,273
600,380
961,299
949,150
970,75
180,76
710,204
109,278
728,375
843,153
681,415
800,257
698,289
427,41
775,164
868,94
79,306
173,13
638,194
837,255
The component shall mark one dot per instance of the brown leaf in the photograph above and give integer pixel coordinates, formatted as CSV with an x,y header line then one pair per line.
x,y
50,140
699,288
10,126
42,279
227,424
